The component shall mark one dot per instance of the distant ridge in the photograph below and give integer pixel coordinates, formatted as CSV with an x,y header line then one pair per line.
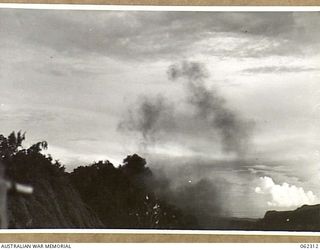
x,y
304,218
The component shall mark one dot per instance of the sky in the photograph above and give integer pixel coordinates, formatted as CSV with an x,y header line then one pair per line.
x,y
232,97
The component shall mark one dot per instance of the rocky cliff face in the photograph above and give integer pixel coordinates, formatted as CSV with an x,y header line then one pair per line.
x,y
52,205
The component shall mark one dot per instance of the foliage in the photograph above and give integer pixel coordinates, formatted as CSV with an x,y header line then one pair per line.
x,y
121,197
11,144
27,165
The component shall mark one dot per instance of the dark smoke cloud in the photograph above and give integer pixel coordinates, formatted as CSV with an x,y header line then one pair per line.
x,y
211,106
191,184
202,198
150,116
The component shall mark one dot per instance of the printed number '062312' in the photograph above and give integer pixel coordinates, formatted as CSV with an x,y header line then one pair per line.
x,y
309,246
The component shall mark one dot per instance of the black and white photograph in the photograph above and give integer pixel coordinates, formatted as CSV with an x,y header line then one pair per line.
x,y
159,119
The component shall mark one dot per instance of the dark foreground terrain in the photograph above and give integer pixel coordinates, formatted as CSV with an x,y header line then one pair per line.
x,y
128,196
305,218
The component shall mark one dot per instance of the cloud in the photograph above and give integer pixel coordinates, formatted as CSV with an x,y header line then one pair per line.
x,y
280,69
86,65
73,159
149,35
284,195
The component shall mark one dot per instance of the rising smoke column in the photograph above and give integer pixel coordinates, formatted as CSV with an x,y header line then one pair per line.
x,y
211,106
148,117
153,117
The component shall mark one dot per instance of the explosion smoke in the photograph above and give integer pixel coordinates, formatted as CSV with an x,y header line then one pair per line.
x,y
150,116
211,106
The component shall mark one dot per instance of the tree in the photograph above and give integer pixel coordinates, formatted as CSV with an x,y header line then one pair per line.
x,y
38,147
10,145
134,164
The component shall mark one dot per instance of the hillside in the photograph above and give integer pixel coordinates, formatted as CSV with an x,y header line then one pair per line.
x,y
55,203
305,218
100,195
95,196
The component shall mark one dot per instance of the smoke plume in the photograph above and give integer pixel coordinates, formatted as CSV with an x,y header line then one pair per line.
x,y
150,116
211,106
200,197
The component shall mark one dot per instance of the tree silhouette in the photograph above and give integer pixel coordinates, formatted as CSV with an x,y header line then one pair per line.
x,y
134,164
120,197
38,147
10,145
124,197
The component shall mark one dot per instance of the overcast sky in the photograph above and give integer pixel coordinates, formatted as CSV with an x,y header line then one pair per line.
x,y
81,80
